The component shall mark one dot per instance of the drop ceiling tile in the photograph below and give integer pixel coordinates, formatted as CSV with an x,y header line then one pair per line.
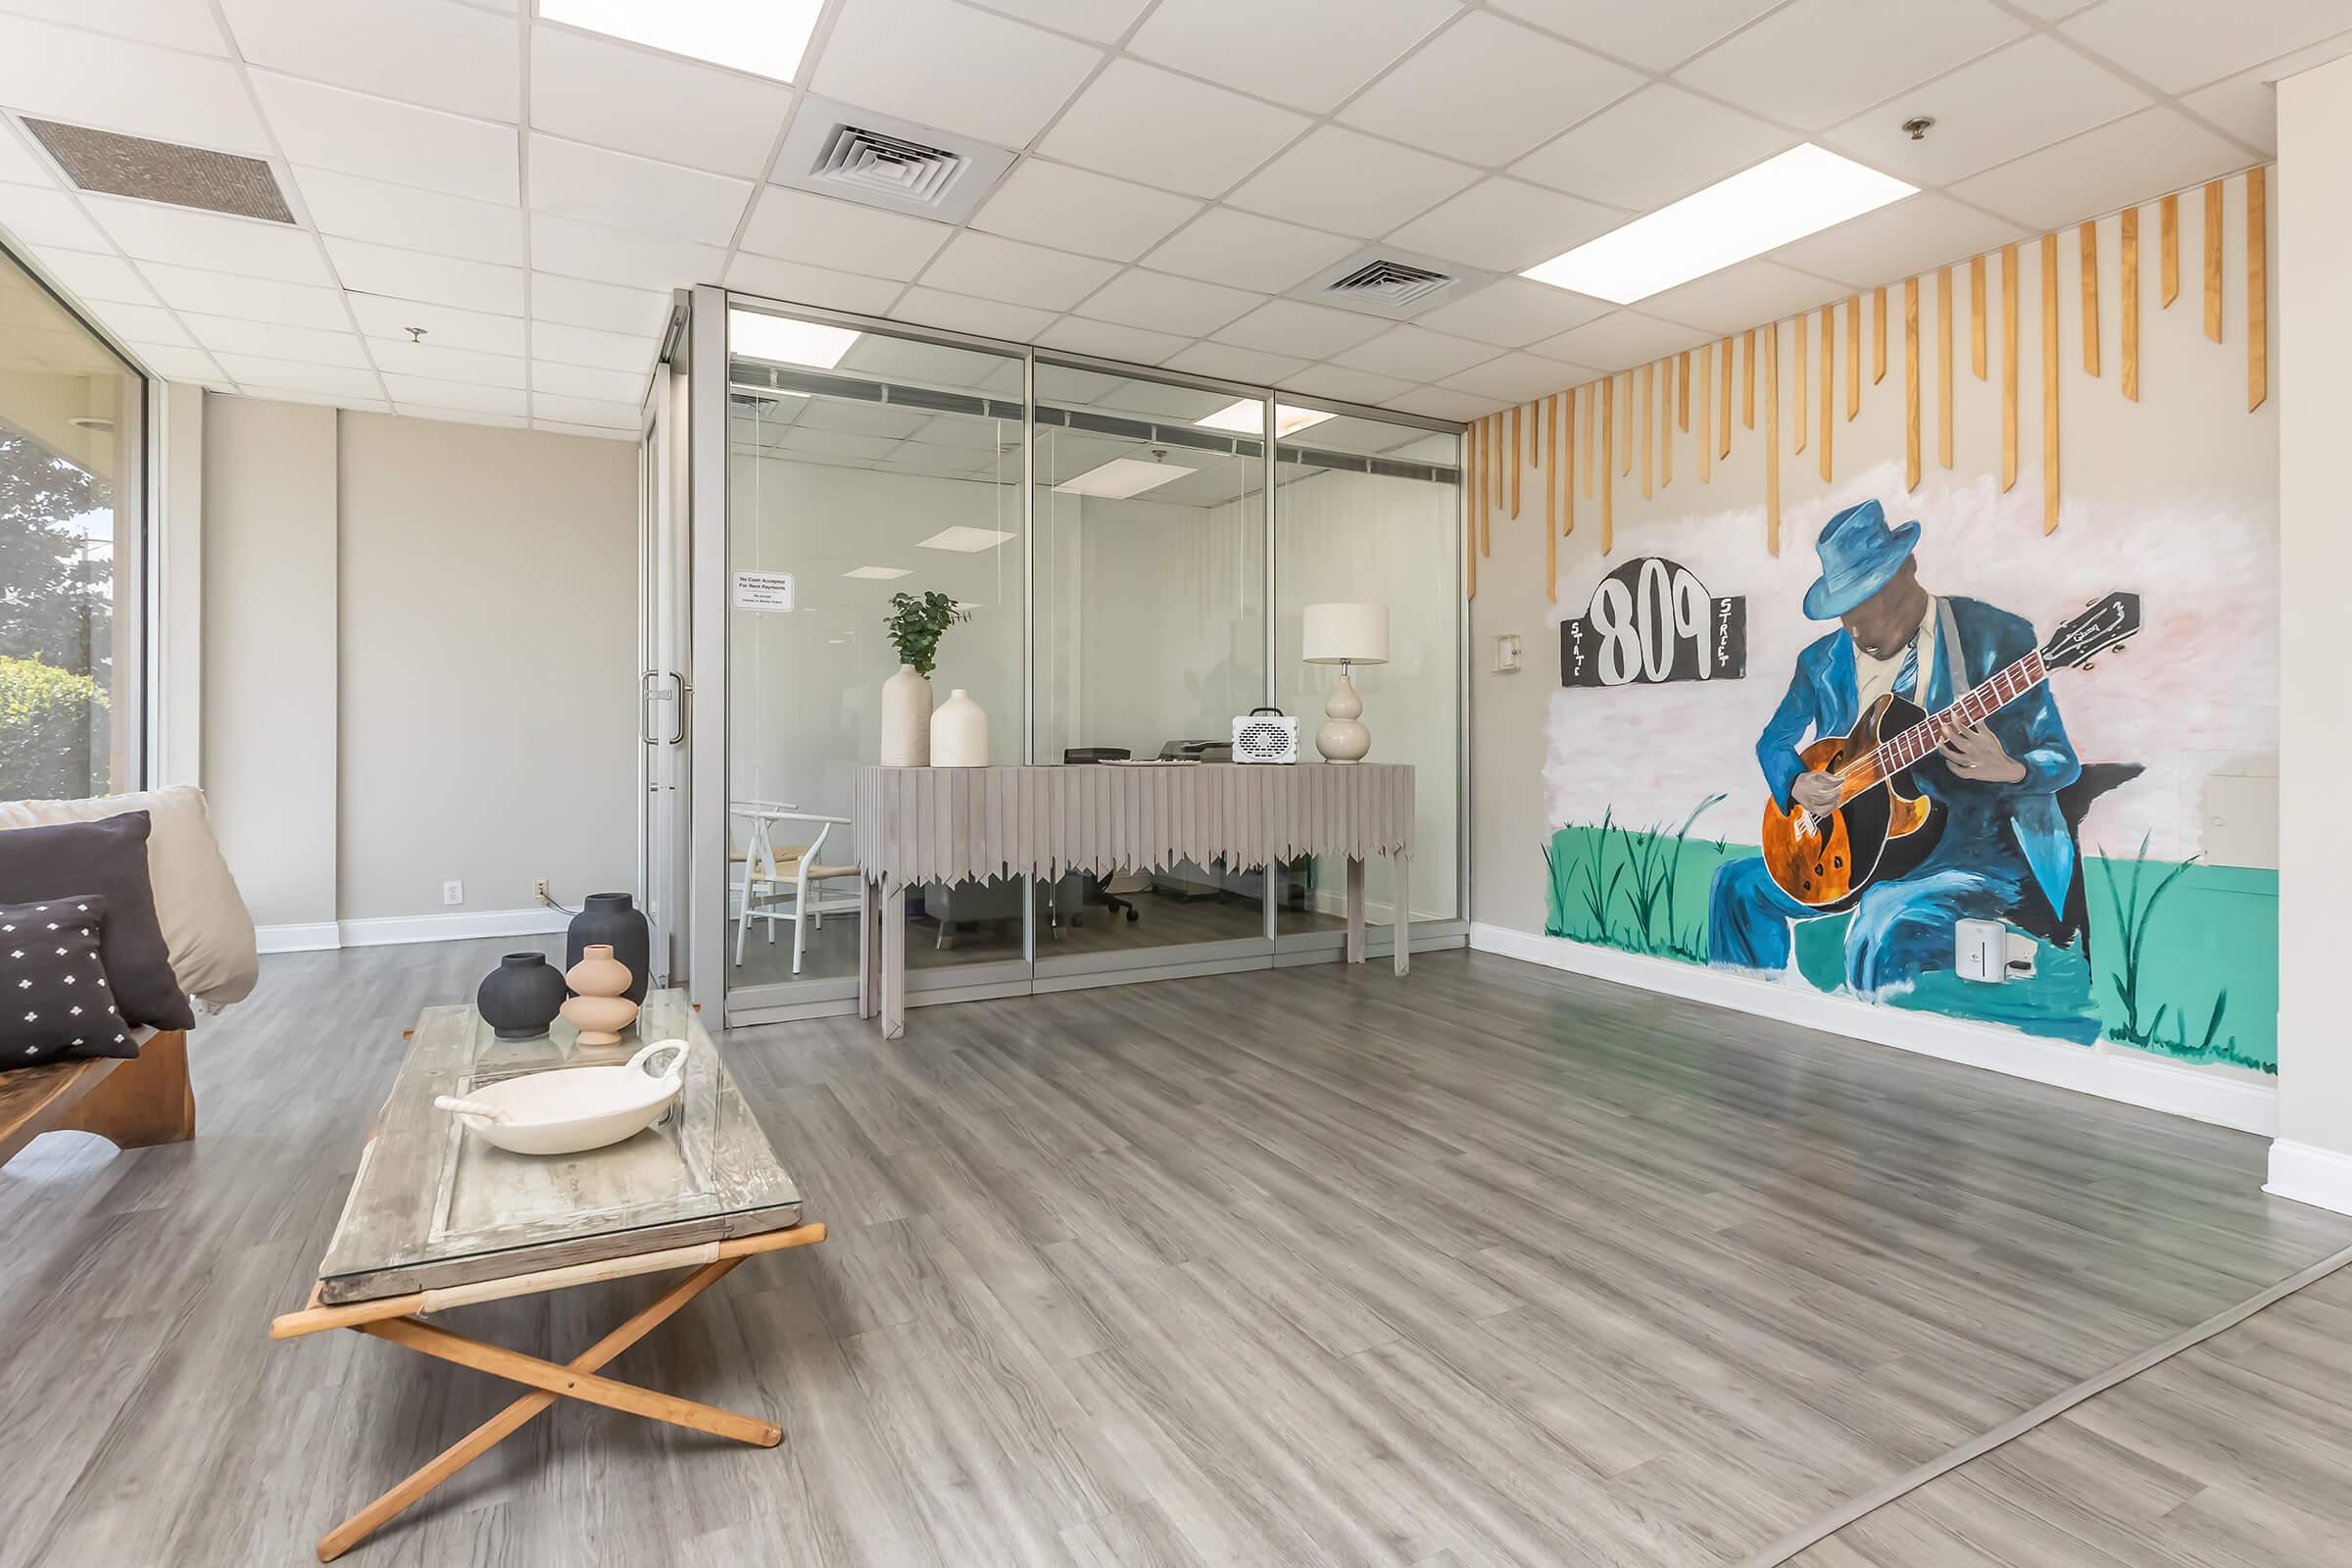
x,y
797,283
581,382
836,443
1076,210
43,215
1307,331
1348,386
576,302
310,345
1513,377
1507,226
176,364
294,376
1415,353
2026,95
1023,274
88,79
572,179
799,226
1109,340
1103,20
962,312
1145,124
143,324
1748,294
595,433
609,95
1912,236
551,341
1619,339
18,164
1651,148
297,394
359,208
468,396
372,268
425,411
258,299
1310,54
172,23
2128,160
1512,313
1814,63
2180,44
1443,403
96,276
1243,249
861,419
430,52
446,326
1350,184
940,63
618,256
1487,91
2246,105
248,246
586,411
446,362
1182,306
359,133
1231,364
1657,36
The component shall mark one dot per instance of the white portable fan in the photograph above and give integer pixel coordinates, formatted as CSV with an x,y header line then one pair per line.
x,y
1265,735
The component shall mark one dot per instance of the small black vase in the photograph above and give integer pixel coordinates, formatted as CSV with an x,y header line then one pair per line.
x,y
613,919
521,997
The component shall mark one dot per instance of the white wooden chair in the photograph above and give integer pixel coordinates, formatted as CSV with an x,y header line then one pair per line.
x,y
783,881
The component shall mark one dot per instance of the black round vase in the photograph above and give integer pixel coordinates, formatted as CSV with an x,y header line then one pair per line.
x,y
521,997
613,919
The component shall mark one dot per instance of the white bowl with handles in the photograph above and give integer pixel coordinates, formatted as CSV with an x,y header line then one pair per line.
x,y
573,1110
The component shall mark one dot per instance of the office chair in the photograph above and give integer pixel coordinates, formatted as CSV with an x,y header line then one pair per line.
x,y
1098,887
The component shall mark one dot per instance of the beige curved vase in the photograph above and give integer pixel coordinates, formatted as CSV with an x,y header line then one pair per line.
x,y
600,1011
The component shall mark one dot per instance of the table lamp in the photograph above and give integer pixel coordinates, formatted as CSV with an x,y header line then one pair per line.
x,y
1344,635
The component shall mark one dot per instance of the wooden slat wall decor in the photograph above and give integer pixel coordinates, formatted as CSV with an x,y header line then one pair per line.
x,y
1747,382
1797,363
1829,386
1625,423
1877,341
1976,315
1494,434
1568,458
1547,434
1649,420
1608,469
1853,354
2213,259
2258,292
1671,370
1536,440
2049,383
1681,382
1944,366
1706,403
1911,384
2168,252
2008,369
1490,469
2088,234
2127,303
1474,495
1772,438
1516,459
1723,436
1597,392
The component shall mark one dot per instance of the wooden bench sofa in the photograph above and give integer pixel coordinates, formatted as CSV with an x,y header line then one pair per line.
x,y
135,1103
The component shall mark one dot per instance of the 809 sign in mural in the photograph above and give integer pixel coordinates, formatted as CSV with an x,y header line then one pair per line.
x,y
1652,620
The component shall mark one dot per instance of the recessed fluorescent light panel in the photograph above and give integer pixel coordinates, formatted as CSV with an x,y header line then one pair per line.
x,y
967,540
1248,418
877,573
784,341
765,38
1803,190
1121,478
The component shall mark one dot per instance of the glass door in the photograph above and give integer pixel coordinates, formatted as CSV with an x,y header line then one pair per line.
x,y
665,759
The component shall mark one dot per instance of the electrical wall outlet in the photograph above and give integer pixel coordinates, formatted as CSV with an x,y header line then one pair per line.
x,y
453,891
539,891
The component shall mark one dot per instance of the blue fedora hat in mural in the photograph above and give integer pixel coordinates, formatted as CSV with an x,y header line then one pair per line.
x,y
1859,556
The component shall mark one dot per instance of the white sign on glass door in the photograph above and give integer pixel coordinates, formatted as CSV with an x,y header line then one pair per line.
x,y
763,590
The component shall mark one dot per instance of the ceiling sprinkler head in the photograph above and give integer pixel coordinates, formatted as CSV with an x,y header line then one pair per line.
x,y
415,333
1918,126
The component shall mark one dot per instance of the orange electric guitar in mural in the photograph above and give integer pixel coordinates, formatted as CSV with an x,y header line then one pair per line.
x,y
1883,826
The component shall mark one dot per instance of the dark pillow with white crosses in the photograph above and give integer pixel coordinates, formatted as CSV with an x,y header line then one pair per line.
x,y
54,999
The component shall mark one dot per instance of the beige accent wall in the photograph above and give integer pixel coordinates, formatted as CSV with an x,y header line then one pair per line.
x,y
270,651
488,657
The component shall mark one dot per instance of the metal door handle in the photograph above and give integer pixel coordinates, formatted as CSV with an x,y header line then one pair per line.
x,y
685,692
645,729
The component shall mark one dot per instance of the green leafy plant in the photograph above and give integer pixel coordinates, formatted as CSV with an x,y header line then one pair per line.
x,y
1594,873
49,719
916,621
2132,921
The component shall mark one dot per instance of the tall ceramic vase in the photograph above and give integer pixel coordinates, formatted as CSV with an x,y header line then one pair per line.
x,y
960,732
905,720
613,919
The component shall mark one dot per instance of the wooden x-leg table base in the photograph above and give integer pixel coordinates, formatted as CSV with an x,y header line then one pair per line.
x,y
397,1319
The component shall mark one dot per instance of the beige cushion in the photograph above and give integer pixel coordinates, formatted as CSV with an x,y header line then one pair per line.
x,y
196,901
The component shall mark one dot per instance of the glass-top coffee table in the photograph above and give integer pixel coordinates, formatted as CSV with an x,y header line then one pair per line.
x,y
439,1218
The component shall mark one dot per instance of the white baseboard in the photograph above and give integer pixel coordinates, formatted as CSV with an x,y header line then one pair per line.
x,y
2310,1174
391,930
2134,1079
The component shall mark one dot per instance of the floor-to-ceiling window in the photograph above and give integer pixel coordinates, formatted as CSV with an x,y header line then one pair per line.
x,y
72,710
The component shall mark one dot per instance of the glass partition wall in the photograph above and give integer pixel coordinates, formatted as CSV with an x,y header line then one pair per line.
x,y
1105,532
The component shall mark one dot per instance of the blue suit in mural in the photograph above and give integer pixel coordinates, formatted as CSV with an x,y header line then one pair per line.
x,y
2004,841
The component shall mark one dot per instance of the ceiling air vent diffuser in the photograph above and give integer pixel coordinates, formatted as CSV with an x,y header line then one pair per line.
x,y
1387,282
1392,283
162,172
856,155
872,161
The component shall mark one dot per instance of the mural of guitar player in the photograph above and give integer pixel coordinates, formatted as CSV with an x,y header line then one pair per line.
x,y
1916,768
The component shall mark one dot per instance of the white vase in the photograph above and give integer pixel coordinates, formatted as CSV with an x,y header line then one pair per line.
x,y
960,732
905,720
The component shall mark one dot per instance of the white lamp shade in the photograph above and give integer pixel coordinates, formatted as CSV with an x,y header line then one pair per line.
x,y
1346,634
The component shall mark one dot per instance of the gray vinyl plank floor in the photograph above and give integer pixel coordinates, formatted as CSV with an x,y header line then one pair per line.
x,y
1492,1265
